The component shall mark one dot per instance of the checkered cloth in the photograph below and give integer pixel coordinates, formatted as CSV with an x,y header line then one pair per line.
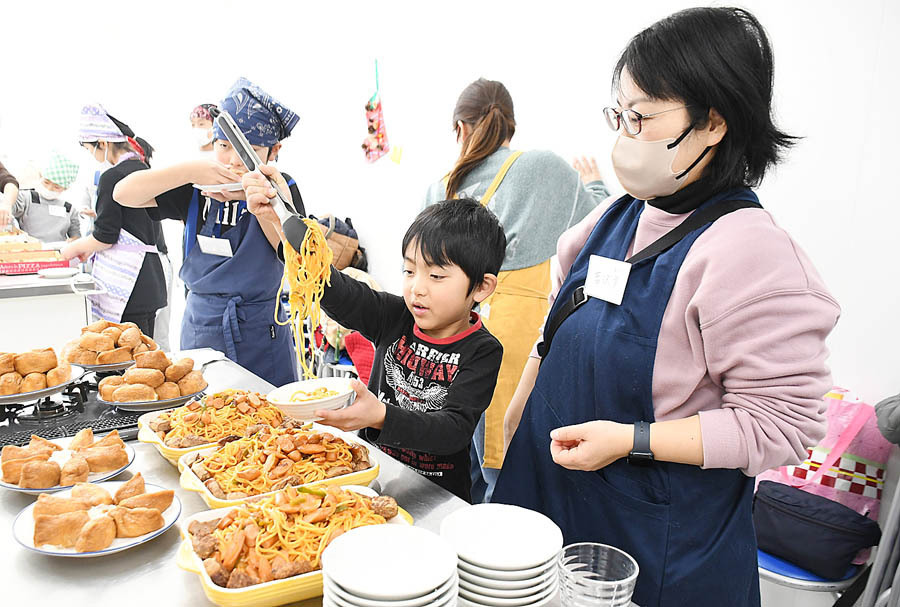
x,y
851,474
60,170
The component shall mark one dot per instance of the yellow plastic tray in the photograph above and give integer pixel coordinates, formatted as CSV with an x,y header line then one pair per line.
x,y
268,594
146,435
191,482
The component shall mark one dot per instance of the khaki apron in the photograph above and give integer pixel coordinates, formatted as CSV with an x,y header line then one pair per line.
x,y
514,314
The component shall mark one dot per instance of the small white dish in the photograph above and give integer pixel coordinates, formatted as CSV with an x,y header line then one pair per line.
x,y
502,574
220,187
533,591
469,599
57,272
23,528
439,596
504,537
509,585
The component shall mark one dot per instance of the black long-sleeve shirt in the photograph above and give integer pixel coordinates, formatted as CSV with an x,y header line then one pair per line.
x,y
435,389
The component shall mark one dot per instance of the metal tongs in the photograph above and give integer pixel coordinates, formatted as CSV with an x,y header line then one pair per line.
x,y
291,223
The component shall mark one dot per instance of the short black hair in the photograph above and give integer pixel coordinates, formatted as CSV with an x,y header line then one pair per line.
x,y
714,58
460,232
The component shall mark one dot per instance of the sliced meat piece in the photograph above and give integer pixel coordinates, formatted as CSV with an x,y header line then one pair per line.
x,y
216,572
214,488
282,568
203,527
192,440
204,545
288,481
241,579
161,425
227,439
253,429
338,471
386,506
200,470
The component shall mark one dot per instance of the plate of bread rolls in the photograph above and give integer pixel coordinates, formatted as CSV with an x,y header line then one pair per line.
x,y
108,346
31,375
44,466
154,382
96,519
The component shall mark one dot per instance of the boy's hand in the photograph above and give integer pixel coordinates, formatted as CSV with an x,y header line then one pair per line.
x,y
587,169
590,446
365,412
259,192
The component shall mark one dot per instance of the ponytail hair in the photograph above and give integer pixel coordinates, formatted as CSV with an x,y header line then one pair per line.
x,y
487,107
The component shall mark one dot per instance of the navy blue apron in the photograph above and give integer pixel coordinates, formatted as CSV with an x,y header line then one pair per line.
x,y
231,304
689,529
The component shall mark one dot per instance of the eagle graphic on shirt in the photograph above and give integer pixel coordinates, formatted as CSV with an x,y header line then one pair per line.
x,y
419,376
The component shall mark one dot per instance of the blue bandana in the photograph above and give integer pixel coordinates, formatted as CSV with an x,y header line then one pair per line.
x,y
262,119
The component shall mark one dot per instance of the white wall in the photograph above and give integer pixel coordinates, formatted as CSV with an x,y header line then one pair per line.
x,y
150,63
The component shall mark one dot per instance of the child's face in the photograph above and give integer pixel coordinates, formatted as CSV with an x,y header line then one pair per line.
x,y
436,296
201,123
52,186
226,155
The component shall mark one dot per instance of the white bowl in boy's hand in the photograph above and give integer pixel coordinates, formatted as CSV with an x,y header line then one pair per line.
x,y
302,400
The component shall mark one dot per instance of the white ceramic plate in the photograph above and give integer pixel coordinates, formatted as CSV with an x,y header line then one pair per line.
x,y
26,397
23,528
499,536
93,477
502,574
534,591
509,585
152,405
220,187
469,599
57,272
439,596
411,562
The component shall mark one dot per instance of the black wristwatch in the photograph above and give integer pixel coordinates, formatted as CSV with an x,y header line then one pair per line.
x,y
640,454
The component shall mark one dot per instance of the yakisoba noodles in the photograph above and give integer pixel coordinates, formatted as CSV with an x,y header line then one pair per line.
x,y
302,396
282,535
214,417
274,458
305,273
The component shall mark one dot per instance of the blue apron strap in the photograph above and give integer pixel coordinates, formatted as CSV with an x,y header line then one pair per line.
x,y
96,178
230,326
292,182
190,226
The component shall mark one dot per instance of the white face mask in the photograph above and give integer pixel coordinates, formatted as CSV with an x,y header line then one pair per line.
x,y
644,168
46,192
106,164
203,137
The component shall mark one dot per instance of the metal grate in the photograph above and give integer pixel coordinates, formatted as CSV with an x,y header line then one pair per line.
x,y
120,422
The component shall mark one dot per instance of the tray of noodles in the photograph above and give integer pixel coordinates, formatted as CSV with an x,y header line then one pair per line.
x,y
274,458
203,423
266,552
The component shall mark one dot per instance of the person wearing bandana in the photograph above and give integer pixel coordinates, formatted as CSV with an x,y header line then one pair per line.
x,y
231,268
684,351
42,212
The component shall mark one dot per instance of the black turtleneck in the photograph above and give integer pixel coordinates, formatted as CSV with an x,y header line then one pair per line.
x,y
686,199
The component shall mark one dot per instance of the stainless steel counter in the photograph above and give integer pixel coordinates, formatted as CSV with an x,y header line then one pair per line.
x,y
33,285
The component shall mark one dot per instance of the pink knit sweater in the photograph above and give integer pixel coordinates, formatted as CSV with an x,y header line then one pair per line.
x,y
742,340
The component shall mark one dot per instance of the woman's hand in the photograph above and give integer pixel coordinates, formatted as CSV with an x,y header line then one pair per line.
x,y
592,445
209,172
88,213
73,249
587,169
365,412
260,193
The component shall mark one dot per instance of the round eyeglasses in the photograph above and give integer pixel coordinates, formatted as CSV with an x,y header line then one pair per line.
x,y
630,120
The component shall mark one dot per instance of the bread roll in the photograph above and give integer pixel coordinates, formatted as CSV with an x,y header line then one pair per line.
x,y
141,348
96,342
158,499
33,382
168,390
36,361
114,332
96,327
59,375
128,325
10,383
134,486
117,355
39,475
192,383
150,377
152,360
92,494
179,369
130,338
108,385
150,343
59,530
82,439
79,356
104,459
7,363
75,470
133,393
97,534
132,522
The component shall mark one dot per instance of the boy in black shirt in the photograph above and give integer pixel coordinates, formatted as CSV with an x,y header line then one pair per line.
x,y
435,363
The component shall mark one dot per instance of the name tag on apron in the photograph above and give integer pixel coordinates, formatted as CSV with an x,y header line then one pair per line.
x,y
215,246
56,211
607,279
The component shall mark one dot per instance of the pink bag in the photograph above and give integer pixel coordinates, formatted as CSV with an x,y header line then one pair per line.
x,y
848,465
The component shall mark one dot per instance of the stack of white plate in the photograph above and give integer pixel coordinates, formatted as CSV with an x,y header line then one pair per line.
x,y
506,555
389,566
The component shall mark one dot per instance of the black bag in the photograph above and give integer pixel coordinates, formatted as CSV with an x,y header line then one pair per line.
x,y
809,530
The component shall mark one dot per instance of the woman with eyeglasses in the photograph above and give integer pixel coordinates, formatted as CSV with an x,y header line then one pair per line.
x,y
685,348
537,196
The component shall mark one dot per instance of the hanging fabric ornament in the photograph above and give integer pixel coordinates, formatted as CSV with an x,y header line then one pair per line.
x,y
376,143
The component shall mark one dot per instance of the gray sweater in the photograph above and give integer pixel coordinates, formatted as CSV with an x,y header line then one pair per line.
x,y
49,220
540,198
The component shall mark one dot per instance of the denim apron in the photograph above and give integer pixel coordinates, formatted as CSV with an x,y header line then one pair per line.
x,y
689,529
231,303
